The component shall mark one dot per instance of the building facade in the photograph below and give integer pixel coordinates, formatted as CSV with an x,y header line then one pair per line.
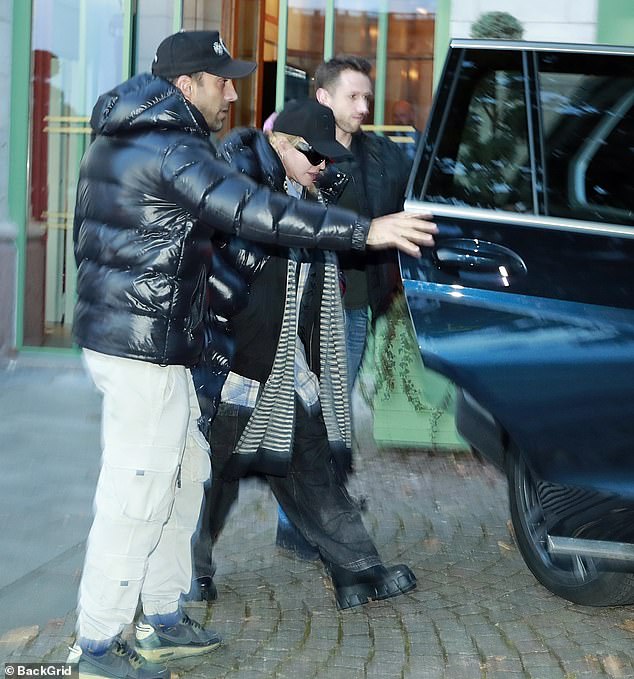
x,y
57,56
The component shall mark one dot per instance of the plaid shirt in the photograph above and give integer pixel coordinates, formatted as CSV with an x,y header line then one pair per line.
x,y
244,391
240,390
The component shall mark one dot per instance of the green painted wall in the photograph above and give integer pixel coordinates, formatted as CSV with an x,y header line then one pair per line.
x,y
412,406
615,22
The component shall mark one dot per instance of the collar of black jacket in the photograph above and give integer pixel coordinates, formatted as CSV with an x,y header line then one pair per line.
x,y
145,102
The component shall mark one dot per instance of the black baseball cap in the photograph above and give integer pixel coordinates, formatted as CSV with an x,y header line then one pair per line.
x,y
188,52
315,123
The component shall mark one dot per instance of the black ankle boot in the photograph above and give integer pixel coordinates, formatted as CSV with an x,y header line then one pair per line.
x,y
202,589
355,588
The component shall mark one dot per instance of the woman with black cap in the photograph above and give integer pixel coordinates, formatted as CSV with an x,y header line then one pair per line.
x,y
284,410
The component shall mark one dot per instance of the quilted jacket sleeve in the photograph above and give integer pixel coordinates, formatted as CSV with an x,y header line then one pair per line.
x,y
232,203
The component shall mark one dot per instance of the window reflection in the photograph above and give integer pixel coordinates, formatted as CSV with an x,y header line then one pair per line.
x,y
238,23
484,158
588,113
306,25
202,15
76,54
154,21
410,46
409,78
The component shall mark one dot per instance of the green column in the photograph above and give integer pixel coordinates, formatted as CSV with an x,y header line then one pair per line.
x,y
381,63
441,37
615,22
280,79
128,24
329,30
19,145
177,19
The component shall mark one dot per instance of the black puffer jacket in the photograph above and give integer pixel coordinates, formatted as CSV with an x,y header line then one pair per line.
x,y
385,171
151,195
386,179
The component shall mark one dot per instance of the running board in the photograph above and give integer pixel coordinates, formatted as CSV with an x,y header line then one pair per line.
x,y
596,549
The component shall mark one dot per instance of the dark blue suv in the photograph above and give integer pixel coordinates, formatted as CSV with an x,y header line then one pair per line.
x,y
527,301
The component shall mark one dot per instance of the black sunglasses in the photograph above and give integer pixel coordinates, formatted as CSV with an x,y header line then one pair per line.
x,y
313,157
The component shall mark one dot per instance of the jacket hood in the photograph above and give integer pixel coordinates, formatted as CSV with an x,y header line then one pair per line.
x,y
145,102
248,150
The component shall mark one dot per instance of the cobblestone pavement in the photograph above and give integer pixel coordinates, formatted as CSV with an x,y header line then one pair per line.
x,y
477,612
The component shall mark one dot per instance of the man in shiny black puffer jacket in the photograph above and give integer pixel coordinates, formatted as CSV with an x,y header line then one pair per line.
x,y
151,196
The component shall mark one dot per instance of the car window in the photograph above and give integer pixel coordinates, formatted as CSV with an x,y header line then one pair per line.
x,y
587,106
483,159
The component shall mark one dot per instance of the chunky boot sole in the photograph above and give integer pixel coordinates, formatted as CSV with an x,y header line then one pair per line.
x,y
399,580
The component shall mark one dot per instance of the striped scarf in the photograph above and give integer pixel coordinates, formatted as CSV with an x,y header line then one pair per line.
x,y
270,427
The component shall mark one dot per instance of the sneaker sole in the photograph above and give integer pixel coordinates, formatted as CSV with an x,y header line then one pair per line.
x,y
164,653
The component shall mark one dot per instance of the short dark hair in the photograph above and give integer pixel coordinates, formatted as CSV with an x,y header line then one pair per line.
x,y
197,76
328,72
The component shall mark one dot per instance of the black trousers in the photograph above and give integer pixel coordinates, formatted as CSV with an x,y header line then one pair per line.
x,y
312,495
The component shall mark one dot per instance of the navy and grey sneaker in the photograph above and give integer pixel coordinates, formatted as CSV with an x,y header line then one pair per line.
x,y
119,661
158,643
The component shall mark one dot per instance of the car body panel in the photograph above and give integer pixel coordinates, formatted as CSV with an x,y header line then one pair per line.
x,y
556,373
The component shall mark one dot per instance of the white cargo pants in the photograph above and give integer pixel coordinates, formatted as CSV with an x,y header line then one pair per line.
x,y
148,497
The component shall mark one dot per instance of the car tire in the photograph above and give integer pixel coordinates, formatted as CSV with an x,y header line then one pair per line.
x,y
573,578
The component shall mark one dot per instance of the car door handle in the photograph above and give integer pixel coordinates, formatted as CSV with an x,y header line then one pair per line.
x,y
473,255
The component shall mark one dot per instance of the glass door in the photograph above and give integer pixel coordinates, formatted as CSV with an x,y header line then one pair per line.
x,y
398,39
79,49
76,53
153,21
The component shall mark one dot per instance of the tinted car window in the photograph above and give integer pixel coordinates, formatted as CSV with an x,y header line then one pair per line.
x,y
483,159
588,131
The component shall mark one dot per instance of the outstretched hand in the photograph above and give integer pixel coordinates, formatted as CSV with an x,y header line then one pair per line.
x,y
403,230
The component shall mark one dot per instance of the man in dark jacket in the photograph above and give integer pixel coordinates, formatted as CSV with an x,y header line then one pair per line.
x,y
377,187
151,195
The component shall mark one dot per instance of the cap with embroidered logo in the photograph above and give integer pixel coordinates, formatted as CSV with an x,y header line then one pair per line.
x,y
188,52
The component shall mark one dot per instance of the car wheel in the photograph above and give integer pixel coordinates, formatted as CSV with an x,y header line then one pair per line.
x,y
574,578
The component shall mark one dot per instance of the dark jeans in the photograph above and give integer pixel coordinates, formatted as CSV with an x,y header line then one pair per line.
x,y
312,495
356,338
